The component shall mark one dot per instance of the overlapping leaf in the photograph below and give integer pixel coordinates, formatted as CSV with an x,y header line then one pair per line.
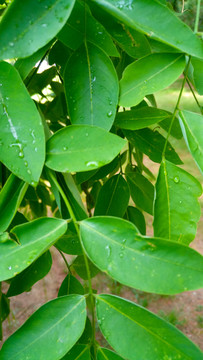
x,y
113,197
139,334
91,87
176,209
22,141
52,323
82,148
148,75
151,18
34,238
82,24
116,248
192,127
10,198
28,26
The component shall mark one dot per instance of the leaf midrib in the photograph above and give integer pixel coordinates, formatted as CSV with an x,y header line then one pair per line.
x,y
139,252
146,329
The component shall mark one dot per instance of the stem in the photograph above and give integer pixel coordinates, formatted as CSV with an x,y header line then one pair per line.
x,y
177,106
130,153
72,215
36,69
197,16
66,262
194,95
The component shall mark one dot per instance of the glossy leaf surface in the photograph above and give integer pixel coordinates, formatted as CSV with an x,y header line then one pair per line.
x,y
116,248
22,140
10,198
82,148
31,23
151,18
52,323
141,190
74,31
192,128
152,144
34,238
176,208
141,334
91,87
148,75
140,118
27,278
113,197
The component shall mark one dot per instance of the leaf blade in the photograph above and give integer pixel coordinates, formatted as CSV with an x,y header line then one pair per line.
x,y
116,248
139,333
54,320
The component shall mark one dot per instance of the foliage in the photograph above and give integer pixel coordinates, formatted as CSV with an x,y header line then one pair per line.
x,y
74,138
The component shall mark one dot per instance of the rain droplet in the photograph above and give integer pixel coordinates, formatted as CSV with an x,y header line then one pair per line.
x,y
110,102
124,241
26,163
11,44
121,255
21,155
65,148
10,267
176,179
44,25
94,79
90,163
110,113
86,134
29,172
36,149
107,247
100,32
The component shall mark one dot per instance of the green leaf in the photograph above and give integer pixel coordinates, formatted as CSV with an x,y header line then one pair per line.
x,y
70,285
106,354
192,128
78,352
82,148
131,41
52,323
35,238
148,75
152,143
11,196
79,266
91,87
81,24
140,118
152,18
176,208
141,190
24,66
113,197
136,333
198,74
69,243
137,218
22,139
175,130
31,23
27,278
116,248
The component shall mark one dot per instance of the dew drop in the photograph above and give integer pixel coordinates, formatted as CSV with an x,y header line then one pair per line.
x,y
110,102
176,179
11,44
44,25
21,155
110,113
107,247
10,268
92,163
29,172
65,148
124,241
26,163
121,255
36,149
